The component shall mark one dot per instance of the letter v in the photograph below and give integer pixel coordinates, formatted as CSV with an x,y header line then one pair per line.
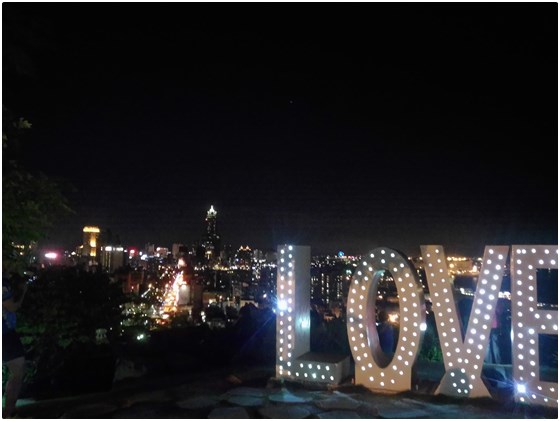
x,y
463,359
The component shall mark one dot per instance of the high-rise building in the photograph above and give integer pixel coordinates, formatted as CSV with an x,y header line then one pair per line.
x,y
112,258
330,279
243,257
211,242
90,243
211,222
150,249
162,251
175,249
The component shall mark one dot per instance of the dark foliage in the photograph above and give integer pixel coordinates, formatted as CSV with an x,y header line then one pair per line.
x,y
31,202
58,321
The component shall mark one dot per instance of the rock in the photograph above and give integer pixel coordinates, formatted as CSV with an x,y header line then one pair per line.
x,y
229,413
338,415
284,412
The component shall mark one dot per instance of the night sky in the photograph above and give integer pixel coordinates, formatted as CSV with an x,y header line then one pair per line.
x,y
340,126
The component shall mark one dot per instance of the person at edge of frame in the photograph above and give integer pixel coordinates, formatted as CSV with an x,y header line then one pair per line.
x,y
13,354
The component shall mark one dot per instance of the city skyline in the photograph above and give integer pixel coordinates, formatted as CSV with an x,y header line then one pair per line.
x,y
380,125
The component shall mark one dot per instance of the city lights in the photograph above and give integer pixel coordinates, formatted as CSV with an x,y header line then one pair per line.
x,y
383,277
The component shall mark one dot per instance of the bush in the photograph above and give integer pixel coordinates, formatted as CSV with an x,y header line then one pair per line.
x,y
58,320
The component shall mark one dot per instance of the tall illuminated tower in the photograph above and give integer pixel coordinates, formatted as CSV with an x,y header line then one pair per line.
x,y
91,234
212,239
211,223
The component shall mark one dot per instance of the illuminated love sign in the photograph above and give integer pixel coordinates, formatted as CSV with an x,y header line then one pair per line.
x,y
463,357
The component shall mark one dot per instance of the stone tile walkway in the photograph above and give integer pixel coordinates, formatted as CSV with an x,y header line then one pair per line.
x,y
215,396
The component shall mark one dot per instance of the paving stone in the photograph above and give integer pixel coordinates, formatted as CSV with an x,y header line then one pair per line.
x,y
450,410
369,410
307,395
319,394
229,413
91,411
313,410
338,402
284,412
198,402
404,413
248,391
406,404
338,415
413,402
285,396
246,400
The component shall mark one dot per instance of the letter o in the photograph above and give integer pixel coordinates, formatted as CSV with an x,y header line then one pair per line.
x,y
374,369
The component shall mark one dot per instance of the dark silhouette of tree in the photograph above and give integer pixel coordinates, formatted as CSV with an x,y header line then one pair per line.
x,y
31,202
214,312
253,337
61,315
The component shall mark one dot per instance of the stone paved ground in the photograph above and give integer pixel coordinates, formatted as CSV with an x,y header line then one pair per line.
x,y
252,393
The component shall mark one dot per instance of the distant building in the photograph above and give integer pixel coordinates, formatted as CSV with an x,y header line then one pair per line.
x,y
90,245
133,281
270,256
258,255
267,281
162,251
150,249
211,242
112,258
176,249
243,257
226,255
463,265
330,279
133,257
